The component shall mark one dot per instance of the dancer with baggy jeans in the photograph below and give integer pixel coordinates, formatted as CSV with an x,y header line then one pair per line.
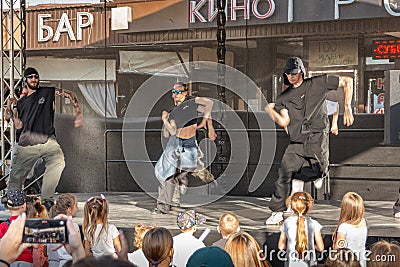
x,y
181,153
301,109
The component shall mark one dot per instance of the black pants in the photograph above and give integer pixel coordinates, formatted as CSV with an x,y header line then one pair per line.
x,y
305,162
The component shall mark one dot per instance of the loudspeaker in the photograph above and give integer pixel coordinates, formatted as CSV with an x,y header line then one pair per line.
x,y
392,107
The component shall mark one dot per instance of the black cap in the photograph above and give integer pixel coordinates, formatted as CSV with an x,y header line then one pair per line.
x,y
30,71
294,65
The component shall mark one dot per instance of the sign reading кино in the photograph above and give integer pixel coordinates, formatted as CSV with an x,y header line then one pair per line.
x,y
240,12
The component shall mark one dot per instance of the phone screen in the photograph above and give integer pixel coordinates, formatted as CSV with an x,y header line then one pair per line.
x,y
45,231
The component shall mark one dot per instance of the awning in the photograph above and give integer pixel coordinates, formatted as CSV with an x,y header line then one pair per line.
x,y
153,63
64,69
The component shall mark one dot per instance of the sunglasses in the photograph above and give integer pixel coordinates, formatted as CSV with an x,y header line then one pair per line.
x,y
32,76
293,72
175,91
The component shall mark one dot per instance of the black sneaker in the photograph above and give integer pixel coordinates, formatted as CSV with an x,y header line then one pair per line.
x,y
48,203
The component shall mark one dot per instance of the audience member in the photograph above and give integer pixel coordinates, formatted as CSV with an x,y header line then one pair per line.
x,y
10,244
100,237
210,257
384,254
137,257
16,202
158,247
342,258
352,229
35,209
185,243
228,224
299,232
245,251
66,204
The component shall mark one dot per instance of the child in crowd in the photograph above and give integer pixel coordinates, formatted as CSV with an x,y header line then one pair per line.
x,y
157,247
66,204
342,258
352,229
299,232
100,237
185,243
228,224
16,202
384,254
245,251
35,209
137,257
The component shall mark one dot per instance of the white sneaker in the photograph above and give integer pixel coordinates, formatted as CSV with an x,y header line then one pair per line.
x,y
275,219
397,215
319,183
183,189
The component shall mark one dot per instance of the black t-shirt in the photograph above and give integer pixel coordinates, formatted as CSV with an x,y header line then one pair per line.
x,y
36,112
301,101
185,114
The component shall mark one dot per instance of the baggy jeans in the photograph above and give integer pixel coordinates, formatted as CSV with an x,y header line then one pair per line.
x,y
26,156
296,161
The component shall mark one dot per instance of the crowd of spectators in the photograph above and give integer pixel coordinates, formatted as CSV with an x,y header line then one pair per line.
x,y
103,245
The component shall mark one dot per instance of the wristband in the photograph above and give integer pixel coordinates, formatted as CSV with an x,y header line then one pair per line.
x,y
6,263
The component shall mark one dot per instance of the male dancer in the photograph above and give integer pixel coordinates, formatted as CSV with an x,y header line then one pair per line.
x,y
180,155
33,118
302,110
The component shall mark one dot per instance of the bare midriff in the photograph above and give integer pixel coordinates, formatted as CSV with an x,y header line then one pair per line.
x,y
187,132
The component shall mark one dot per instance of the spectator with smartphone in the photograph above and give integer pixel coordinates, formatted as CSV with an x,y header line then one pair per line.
x,y
16,203
10,244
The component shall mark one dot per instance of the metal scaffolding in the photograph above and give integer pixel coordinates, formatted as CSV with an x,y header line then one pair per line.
x,y
12,65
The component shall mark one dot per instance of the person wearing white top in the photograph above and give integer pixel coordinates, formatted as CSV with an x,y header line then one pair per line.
x,y
352,229
103,244
185,244
101,238
300,235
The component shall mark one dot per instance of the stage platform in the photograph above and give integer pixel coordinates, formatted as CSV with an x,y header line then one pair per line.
x,y
129,208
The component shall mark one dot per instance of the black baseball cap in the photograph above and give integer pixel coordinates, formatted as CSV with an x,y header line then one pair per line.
x,y
294,65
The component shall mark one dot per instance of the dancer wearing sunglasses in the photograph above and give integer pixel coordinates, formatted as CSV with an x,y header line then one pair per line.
x,y
301,110
34,120
181,153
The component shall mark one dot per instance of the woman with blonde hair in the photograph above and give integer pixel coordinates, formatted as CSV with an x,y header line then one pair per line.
x,y
245,251
352,229
299,232
137,257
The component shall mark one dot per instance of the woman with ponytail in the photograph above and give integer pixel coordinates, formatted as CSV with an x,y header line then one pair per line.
x,y
158,247
100,237
299,232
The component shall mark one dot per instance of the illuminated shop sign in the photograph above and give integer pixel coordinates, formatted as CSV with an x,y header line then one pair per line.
x,y
284,11
386,49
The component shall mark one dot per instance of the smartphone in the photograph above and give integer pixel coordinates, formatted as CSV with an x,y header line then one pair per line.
x,y
45,231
